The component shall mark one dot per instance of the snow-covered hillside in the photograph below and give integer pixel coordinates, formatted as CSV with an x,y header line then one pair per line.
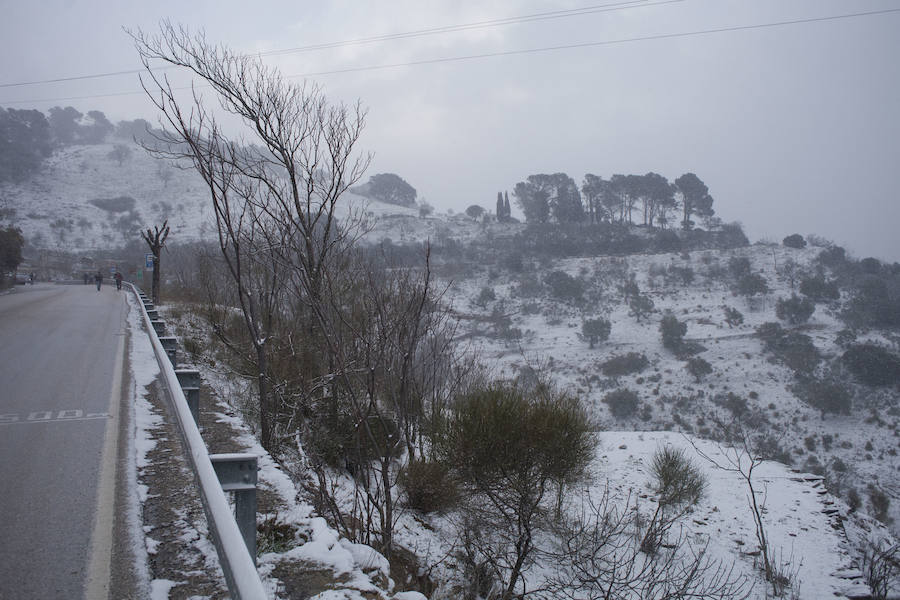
x,y
61,207
521,326
519,323
545,333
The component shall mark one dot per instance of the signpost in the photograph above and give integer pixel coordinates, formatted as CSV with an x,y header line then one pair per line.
x,y
148,261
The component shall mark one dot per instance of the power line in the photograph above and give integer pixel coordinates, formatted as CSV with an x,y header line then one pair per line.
x,y
663,36
558,14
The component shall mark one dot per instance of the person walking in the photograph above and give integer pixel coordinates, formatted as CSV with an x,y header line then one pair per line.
x,y
98,278
118,278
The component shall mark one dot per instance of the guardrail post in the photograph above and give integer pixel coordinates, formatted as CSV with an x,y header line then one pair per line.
x,y
189,379
237,473
159,326
170,345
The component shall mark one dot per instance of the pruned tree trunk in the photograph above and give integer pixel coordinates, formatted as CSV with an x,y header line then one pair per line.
x,y
156,239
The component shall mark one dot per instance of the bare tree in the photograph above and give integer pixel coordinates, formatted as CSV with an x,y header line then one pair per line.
x,y
276,199
388,363
742,458
600,558
156,239
881,567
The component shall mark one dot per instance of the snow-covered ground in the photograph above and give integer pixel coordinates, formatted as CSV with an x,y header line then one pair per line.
x,y
673,404
815,536
355,571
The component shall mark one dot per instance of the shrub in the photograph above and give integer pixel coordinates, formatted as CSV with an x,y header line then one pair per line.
x,y
880,504
739,266
798,352
677,480
485,297
769,447
596,330
641,305
818,289
733,317
832,257
794,310
677,483
513,262
870,266
508,447
699,368
672,332
500,430
11,244
770,333
667,240
624,364
429,486
751,284
623,403
735,404
794,240
829,396
564,286
872,365
336,438
873,304
732,235
684,274
795,350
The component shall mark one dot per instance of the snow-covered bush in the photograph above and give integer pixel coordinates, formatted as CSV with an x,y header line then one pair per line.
x,y
596,330
429,486
872,365
794,240
624,364
795,310
672,332
623,403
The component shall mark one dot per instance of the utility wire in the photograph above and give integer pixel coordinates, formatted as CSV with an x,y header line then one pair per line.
x,y
557,14
664,36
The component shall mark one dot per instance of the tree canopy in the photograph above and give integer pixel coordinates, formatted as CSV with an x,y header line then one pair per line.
x,y
389,188
544,198
11,242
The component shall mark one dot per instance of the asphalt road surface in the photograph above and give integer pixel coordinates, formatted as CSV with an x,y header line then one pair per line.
x,y
62,363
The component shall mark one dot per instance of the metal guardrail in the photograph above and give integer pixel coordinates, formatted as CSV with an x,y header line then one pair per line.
x,y
234,546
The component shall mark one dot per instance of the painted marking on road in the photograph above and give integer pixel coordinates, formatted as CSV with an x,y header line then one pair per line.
x,y
98,574
50,416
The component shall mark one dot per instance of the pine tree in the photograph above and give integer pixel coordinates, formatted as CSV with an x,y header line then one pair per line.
x,y
507,212
500,206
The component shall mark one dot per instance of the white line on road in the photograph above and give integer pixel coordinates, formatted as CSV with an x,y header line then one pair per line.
x,y
14,419
97,583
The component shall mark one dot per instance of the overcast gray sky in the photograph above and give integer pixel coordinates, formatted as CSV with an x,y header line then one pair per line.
x,y
794,128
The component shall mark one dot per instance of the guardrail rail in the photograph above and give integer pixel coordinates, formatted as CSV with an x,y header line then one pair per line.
x,y
236,545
